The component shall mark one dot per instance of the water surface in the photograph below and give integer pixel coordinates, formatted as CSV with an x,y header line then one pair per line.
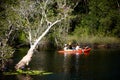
x,y
99,64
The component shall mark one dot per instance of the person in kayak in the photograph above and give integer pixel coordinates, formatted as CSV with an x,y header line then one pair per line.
x,y
77,47
65,47
70,46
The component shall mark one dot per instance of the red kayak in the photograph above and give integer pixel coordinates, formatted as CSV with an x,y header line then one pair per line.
x,y
80,51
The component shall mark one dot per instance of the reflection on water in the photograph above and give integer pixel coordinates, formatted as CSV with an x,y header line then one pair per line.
x,y
98,65
77,63
24,77
67,63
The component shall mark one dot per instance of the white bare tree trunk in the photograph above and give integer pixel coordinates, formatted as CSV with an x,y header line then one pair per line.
x,y
27,58
40,25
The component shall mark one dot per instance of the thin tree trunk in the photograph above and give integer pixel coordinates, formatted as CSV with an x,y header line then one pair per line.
x,y
27,58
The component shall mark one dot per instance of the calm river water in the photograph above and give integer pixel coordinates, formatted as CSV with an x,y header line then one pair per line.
x,y
99,64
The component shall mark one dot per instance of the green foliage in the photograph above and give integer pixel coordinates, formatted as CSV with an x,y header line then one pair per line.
x,y
102,20
28,72
7,29
22,37
6,52
90,18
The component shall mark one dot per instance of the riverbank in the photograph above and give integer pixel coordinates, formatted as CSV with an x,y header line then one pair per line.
x,y
99,46
91,45
95,41
91,41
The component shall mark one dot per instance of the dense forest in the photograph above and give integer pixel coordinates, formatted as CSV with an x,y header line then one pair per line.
x,y
84,21
97,19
